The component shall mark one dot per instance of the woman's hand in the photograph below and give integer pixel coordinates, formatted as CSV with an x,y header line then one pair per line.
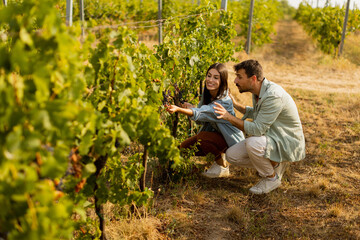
x,y
223,114
172,108
187,105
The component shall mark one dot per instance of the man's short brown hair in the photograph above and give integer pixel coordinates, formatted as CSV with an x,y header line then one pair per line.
x,y
251,67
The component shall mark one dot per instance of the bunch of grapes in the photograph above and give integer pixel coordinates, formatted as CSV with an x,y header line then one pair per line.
x,y
166,97
177,97
178,94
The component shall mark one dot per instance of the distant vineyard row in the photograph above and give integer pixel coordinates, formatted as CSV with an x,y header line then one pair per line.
x,y
266,14
325,24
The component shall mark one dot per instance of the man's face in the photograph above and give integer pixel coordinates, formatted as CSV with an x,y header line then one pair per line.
x,y
243,83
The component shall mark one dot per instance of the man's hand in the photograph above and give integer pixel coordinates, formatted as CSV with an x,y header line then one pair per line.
x,y
171,108
223,114
237,122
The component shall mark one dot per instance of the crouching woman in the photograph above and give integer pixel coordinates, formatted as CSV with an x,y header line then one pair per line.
x,y
215,135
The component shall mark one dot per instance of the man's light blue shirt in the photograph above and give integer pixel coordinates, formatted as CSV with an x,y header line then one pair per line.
x,y
275,116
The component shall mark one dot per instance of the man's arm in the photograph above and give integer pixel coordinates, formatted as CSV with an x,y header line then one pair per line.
x,y
223,114
238,106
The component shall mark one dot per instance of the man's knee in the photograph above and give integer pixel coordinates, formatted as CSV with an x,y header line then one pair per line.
x,y
231,155
236,153
255,144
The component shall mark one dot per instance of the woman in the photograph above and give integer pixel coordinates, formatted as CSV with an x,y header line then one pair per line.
x,y
215,135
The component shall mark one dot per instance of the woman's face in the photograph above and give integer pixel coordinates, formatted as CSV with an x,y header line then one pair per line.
x,y
212,80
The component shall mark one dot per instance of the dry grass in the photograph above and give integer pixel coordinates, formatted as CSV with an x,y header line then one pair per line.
x,y
239,216
352,48
145,228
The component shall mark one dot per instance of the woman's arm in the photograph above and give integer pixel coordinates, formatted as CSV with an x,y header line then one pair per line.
x,y
206,113
173,109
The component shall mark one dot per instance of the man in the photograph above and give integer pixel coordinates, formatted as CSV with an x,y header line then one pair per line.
x,y
275,133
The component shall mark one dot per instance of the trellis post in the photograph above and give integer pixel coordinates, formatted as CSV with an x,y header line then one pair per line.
x,y
248,41
224,4
82,17
160,22
344,27
69,12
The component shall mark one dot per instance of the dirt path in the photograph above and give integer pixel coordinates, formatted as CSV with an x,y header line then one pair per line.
x,y
293,61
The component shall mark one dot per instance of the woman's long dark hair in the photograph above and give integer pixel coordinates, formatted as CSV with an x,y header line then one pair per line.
x,y
223,83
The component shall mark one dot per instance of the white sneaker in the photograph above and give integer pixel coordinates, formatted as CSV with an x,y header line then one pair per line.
x,y
265,185
280,169
216,171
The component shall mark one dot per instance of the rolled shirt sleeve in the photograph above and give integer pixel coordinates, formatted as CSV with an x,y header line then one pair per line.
x,y
206,113
249,113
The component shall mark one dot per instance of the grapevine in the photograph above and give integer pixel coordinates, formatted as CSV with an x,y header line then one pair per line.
x,y
325,25
41,109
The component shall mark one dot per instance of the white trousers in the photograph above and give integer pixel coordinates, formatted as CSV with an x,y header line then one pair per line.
x,y
250,153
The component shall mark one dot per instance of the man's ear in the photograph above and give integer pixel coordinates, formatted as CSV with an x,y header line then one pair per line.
x,y
254,78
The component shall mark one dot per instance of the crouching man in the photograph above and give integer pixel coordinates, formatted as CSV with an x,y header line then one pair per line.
x,y
275,132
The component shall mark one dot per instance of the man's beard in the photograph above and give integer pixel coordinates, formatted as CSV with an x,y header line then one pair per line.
x,y
241,90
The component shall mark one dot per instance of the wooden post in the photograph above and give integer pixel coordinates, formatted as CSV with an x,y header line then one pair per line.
x,y
327,3
82,17
159,18
69,11
344,27
248,41
99,164
143,176
224,5
353,10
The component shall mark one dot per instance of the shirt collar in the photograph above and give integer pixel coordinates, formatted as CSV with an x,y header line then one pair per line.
x,y
264,85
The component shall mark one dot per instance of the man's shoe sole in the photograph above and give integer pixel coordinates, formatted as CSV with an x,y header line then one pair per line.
x,y
269,190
